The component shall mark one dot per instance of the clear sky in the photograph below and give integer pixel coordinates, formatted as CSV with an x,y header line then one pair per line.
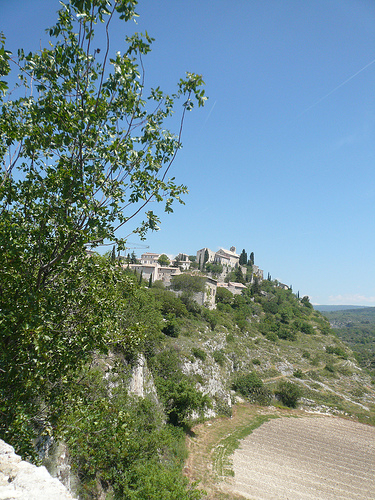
x,y
281,160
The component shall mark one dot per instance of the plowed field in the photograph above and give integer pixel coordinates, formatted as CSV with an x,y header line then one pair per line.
x,y
308,458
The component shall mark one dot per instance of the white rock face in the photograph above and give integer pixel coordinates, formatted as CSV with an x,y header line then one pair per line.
x,y
20,480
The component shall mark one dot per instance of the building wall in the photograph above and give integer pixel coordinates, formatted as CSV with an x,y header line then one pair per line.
x,y
149,258
200,255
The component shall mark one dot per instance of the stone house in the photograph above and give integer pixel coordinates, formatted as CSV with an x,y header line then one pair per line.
x,y
158,272
207,298
227,258
149,258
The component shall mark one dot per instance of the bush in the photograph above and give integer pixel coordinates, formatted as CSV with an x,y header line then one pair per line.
x,y
199,353
171,327
219,357
272,336
298,373
339,351
250,385
287,334
223,296
306,328
288,393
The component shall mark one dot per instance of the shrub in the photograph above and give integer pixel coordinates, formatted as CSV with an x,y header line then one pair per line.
x,y
272,336
250,385
287,334
330,368
219,357
256,361
223,296
306,328
199,353
339,351
298,373
171,328
288,393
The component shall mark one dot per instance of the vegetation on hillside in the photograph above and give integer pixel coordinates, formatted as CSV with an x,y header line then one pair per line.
x,y
82,158
356,327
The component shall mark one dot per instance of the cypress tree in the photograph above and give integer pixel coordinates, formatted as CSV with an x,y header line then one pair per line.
x,y
252,258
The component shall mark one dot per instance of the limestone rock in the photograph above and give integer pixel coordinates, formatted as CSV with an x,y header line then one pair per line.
x,y
20,480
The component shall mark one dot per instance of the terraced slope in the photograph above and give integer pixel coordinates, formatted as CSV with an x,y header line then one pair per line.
x,y
307,458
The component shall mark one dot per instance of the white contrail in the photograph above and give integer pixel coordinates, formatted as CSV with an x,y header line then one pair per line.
x,y
209,114
336,88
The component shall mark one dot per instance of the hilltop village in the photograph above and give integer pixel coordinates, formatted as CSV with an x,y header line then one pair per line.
x,y
223,268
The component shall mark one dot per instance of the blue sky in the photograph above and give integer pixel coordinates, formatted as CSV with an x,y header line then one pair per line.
x,y
281,160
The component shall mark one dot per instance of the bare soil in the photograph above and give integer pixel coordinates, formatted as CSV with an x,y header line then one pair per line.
x,y
296,456
307,458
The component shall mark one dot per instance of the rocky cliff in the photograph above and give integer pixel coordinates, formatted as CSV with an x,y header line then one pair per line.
x,y
20,480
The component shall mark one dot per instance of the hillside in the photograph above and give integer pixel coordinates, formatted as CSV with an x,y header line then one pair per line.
x,y
160,364
278,337
356,327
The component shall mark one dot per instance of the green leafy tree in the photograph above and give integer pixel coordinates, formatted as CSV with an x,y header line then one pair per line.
x,y
163,260
223,295
239,275
188,283
81,157
213,268
251,386
289,393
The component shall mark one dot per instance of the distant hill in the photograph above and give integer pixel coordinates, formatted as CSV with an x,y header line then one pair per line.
x,y
329,308
356,327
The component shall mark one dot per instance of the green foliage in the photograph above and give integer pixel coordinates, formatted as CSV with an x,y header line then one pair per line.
x,y
182,400
171,327
214,268
212,317
168,302
286,334
307,328
289,393
298,373
121,444
251,386
243,258
163,260
219,357
188,283
239,277
81,157
306,302
339,351
356,327
199,353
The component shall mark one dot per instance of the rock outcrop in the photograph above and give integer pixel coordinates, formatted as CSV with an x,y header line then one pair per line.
x,y
20,480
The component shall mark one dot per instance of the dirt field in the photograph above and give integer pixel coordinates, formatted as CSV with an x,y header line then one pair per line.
x,y
315,458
